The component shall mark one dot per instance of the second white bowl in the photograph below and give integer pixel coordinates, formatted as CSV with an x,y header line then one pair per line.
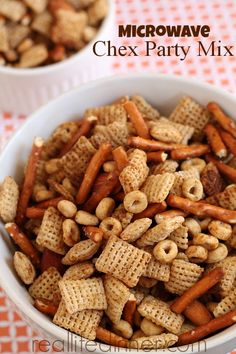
x,y
24,90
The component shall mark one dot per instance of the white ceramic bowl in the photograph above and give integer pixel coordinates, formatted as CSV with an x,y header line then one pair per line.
x,y
162,91
24,90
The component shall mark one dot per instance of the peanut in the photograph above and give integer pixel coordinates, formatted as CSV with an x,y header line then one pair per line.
x,y
149,328
123,328
105,208
67,208
71,232
84,218
24,268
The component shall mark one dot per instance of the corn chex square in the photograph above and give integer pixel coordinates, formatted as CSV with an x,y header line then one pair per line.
x,y
226,305
50,232
84,322
122,260
189,112
226,284
157,270
83,294
180,237
135,173
157,187
117,294
118,132
183,275
108,114
60,136
159,312
46,286
146,109
76,160
100,136
115,133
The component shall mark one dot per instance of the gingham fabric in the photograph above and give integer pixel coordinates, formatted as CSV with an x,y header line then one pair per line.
x,y
220,15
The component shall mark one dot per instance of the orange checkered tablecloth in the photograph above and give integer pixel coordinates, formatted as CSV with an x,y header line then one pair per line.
x,y
220,15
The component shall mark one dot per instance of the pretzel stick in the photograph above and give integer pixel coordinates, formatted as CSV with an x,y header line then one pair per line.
x,y
172,213
226,170
197,290
137,120
103,187
35,213
92,171
129,311
150,211
23,242
51,259
29,180
119,197
83,130
118,187
197,313
189,151
202,209
45,306
229,141
94,233
111,338
157,156
215,141
49,203
152,145
204,330
225,122
120,157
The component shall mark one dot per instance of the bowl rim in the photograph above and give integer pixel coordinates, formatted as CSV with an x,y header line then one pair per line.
x,y
50,68
26,307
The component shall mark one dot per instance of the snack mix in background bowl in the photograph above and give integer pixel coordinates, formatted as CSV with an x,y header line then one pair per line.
x,y
46,47
41,32
125,223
